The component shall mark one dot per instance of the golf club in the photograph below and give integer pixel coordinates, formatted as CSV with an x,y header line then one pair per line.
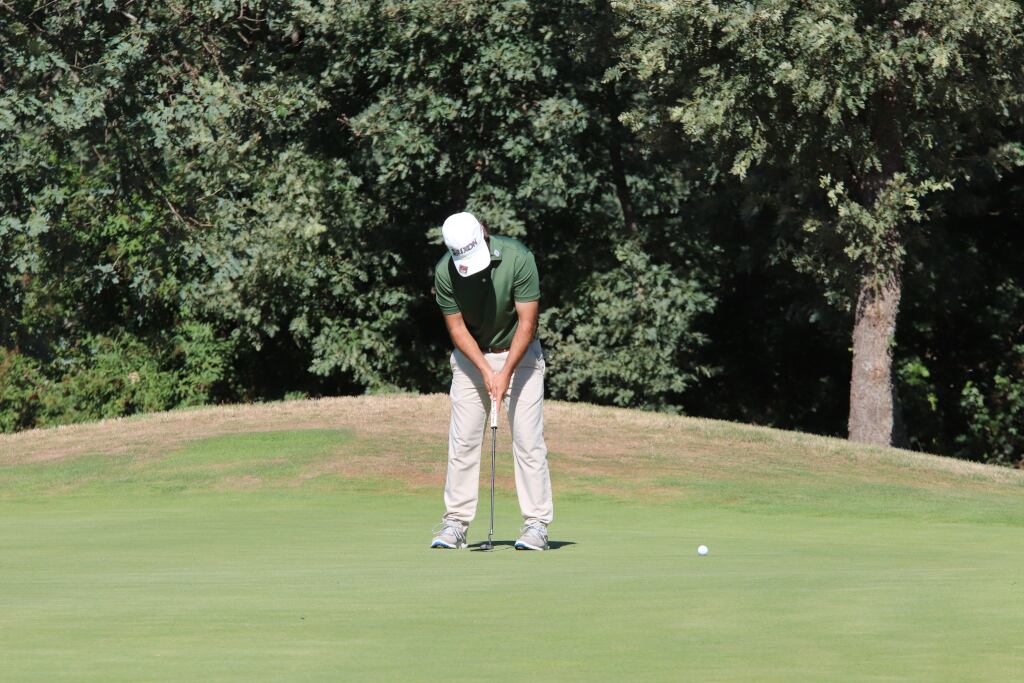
x,y
489,545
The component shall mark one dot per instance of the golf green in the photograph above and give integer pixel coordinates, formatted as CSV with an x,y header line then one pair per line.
x,y
122,568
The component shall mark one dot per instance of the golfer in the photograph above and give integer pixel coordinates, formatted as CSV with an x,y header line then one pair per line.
x,y
489,291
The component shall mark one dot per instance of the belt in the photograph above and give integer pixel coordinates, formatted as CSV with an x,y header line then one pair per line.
x,y
495,349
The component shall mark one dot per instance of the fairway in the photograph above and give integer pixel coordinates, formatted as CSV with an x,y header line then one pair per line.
x,y
289,543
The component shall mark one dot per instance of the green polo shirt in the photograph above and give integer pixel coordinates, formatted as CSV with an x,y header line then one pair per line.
x,y
487,300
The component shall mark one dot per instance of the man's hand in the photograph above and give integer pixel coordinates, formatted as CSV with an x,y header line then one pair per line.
x,y
489,378
497,383
497,387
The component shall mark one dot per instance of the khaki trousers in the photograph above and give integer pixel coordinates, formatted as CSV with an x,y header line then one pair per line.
x,y
524,403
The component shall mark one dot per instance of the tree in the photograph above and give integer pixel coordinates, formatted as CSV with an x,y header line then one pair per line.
x,y
504,109
273,176
861,113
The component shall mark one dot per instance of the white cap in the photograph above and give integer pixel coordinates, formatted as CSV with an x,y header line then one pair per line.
x,y
464,237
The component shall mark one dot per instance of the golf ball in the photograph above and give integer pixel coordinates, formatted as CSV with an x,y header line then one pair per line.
x,y
702,550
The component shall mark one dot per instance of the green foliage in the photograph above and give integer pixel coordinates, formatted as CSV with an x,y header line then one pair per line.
x,y
109,378
263,184
202,362
21,382
865,109
964,301
996,416
629,338
855,123
242,202
104,377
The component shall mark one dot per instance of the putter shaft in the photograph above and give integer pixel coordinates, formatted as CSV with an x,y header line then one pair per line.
x,y
494,446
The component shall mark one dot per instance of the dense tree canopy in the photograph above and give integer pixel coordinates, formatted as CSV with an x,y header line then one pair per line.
x,y
208,201
866,109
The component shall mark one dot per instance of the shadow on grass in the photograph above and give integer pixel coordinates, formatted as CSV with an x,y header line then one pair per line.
x,y
510,545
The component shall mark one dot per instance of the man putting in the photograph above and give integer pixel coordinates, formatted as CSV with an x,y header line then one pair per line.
x,y
489,291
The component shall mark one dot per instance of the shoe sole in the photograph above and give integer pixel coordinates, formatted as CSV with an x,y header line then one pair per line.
x,y
446,546
527,546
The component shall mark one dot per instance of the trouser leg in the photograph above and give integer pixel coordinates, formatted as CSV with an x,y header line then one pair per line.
x,y
465,439
525,410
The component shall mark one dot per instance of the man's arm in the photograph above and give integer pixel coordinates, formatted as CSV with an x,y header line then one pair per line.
x,y
464,342
527,312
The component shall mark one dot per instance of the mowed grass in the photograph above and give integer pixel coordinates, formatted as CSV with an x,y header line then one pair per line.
x,y
288,543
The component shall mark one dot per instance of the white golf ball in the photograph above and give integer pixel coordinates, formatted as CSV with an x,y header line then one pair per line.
x,y
702,550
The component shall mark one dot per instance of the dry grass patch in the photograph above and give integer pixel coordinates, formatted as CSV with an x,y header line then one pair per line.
x,y
161,432
404,437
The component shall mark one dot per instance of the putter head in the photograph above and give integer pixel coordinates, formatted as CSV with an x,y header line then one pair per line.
x,y
486,545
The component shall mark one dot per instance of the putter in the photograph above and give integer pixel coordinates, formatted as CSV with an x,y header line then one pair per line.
x,y
489,545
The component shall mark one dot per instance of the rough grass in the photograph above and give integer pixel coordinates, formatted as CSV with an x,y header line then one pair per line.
x,y
398,444
402,433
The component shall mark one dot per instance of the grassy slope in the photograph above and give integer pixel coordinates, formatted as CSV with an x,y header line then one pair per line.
x,y
287,542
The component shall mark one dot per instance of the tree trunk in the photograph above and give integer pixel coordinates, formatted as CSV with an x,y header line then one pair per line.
x,y
878,302
871,391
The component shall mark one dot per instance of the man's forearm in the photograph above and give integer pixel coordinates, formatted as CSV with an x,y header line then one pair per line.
x,y
465,343
520,342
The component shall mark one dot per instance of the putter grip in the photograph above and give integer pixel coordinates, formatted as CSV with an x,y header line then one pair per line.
x,y
494,414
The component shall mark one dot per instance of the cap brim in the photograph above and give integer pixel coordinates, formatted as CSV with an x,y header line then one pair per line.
x,y
475,262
